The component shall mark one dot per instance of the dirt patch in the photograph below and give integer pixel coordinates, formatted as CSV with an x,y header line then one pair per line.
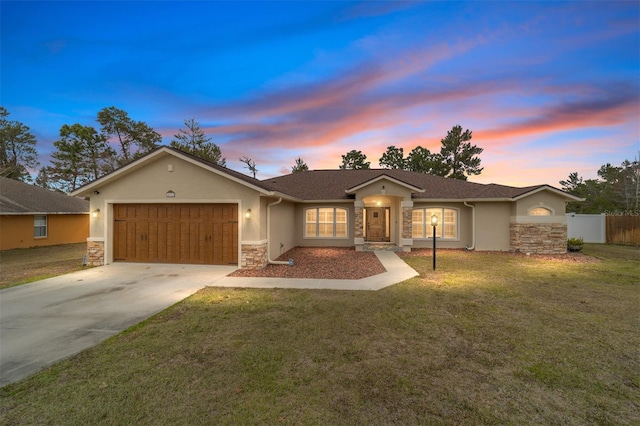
x,y
324,263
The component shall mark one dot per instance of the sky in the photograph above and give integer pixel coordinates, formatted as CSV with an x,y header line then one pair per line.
x,y
547,88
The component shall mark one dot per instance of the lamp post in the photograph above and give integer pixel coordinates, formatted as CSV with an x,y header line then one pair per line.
x,y
434,223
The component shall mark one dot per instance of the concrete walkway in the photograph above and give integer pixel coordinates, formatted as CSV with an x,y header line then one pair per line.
x,y
397,271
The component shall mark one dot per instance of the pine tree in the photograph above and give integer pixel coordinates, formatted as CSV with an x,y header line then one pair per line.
x,y
18,153
195,142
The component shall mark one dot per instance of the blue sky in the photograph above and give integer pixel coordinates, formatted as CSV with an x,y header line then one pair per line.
x,y
547,88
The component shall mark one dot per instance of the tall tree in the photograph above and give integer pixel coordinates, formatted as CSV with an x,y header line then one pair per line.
x,y
195,142
300,166
251,165
631,182
393,158
81,156
459,156
17,149
421,160
572,184
355,160
135,138
43,179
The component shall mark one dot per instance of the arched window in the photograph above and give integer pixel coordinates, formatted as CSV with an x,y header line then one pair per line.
x,y
539,211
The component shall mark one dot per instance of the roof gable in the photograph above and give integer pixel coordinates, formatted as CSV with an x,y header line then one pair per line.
x,y
20,198
535,189
164,151
385,177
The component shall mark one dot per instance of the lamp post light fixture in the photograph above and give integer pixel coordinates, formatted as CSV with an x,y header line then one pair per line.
x,y
434,223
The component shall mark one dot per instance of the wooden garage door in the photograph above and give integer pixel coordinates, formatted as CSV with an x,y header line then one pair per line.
x,y
176,233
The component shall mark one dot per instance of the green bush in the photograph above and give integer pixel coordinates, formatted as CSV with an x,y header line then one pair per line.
x,y
575,244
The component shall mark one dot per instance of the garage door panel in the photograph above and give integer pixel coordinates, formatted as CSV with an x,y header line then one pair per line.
x,y
178,233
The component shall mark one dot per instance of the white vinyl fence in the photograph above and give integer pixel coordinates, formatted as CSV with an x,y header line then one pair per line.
x,y
590,227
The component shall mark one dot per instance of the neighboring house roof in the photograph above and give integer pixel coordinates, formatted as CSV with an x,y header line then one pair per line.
x,y
337,184
20,198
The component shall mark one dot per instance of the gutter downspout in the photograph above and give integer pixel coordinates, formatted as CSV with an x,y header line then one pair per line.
x,y
273,262
473,226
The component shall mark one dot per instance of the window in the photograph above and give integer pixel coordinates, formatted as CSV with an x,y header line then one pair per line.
x,y
539,211
447,223
325,222
39,226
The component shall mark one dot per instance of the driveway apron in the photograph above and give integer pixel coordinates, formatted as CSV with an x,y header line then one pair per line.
x,y
49,320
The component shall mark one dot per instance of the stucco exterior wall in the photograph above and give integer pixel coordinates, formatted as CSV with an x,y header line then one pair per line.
x,y
283,229
16,231
555,203
390,188
492,226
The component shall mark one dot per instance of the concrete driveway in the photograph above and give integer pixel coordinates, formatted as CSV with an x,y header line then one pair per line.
x,y
49,320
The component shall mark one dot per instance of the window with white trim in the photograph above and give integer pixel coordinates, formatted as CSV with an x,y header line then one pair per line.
x,y
539,211
39,226
325,222
447,228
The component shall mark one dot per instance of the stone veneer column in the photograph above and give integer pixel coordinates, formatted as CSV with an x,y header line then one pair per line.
x,y
95,253
538,238
254,255
358,223
407,217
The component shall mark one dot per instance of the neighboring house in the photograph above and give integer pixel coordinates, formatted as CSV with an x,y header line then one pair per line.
x,y
32,216
171,207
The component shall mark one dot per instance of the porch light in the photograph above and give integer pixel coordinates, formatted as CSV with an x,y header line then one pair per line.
x,y
247,214
434,223
171,194
95,213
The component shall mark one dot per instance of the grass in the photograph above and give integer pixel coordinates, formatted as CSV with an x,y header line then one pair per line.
x,y
487,339
21,266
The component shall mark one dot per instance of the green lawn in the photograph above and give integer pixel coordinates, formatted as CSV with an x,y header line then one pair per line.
x,y
21,266
487,339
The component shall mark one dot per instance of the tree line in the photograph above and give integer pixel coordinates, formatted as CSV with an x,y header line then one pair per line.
x,y
84,153
457,158
616,189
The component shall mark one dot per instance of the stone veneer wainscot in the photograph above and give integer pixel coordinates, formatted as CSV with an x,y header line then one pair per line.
x,y
95,253
254,256
538,238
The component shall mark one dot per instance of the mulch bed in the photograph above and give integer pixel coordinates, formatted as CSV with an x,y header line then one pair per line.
x,y
319,262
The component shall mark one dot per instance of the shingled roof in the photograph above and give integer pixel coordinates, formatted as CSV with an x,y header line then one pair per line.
x,y
319,185
20,198
333,184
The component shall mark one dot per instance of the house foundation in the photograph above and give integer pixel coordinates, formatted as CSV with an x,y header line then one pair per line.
x,y
538,238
